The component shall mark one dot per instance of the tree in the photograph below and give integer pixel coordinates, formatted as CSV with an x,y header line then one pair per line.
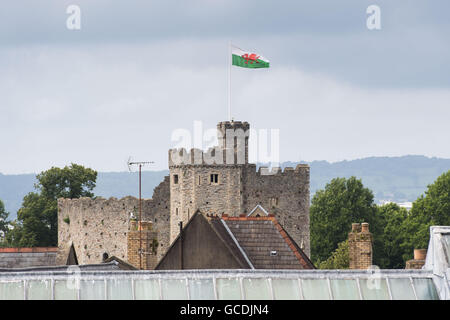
x,y
430,209
391,219
37,223
3,219
70,182
334,209
339,259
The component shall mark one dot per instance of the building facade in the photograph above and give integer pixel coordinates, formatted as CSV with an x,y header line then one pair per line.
x,y
221,181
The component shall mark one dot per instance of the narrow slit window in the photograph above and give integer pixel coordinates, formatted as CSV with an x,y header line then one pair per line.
x,y
214,178
175,179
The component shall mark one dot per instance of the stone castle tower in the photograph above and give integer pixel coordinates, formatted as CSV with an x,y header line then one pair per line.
x,y
222,181
217,181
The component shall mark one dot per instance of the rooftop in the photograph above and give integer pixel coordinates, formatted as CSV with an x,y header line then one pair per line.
x,y
107,281
264,242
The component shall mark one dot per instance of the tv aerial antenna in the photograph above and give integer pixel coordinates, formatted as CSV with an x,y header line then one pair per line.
x,y
140,164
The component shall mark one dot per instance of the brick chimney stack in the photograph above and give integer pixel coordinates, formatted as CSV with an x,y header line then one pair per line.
x,y
418,261
142,234
360,246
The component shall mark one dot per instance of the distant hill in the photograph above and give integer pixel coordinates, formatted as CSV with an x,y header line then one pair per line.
x,y
398,179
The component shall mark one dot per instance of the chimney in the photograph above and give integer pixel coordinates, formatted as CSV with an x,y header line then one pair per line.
x,y
142,245
418,261
365,227
360,246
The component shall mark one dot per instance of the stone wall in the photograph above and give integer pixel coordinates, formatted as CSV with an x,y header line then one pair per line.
x,y
98,226
284,194
27,257
195,191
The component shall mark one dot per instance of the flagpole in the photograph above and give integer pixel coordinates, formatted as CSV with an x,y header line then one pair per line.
x,y
229,79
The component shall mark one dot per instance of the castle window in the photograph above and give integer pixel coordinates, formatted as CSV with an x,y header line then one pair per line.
x,y
199,180
175,179
214,178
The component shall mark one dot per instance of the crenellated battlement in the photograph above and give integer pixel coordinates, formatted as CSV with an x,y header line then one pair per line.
x,y
288,171
213,156
113,206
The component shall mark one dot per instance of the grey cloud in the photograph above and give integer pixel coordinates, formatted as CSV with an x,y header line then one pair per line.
x,y
68,105
44,21
411,50
139,69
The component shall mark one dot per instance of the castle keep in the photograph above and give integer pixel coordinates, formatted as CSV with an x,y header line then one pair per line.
x,y
217,181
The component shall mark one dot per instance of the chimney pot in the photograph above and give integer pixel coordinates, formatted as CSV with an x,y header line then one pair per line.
x,y
420,254
355,227
364,227
145,225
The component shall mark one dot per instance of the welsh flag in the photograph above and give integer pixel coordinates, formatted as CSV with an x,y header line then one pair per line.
x,y
247,59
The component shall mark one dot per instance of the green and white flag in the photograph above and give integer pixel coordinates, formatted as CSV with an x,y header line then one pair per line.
x,y
247,59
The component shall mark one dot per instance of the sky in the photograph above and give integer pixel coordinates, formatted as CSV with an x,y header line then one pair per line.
x,y
137,71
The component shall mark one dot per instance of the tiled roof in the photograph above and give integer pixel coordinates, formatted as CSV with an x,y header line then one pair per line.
x,y
228,240
258,237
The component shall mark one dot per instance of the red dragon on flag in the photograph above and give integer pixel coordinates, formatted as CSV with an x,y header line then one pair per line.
x,y
252,57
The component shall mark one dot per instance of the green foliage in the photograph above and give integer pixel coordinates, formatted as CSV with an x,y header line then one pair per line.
x,y
396,232
3,224
70,182
431,209
334,209
154,246
391,219
66,220
339,259
37,223
3,218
